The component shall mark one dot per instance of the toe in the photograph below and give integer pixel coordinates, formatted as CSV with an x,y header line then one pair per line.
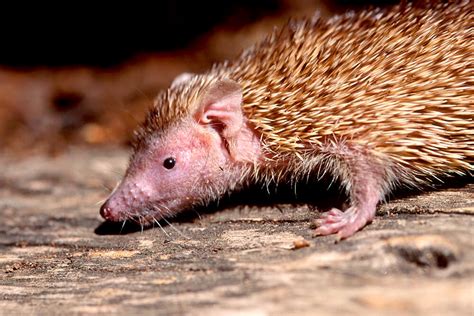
x,y
351,227
326,229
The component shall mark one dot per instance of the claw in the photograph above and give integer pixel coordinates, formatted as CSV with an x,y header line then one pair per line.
x,y
345,224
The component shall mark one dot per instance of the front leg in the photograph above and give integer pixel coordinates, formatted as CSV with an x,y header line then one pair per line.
x,y
364,178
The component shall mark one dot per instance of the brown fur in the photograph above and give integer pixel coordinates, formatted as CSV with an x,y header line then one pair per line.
x,y
396,84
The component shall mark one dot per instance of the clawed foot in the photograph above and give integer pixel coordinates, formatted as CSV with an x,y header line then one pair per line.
x,y
345,224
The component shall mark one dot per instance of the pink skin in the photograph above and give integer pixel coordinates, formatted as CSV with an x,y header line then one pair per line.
x,y
361,212
366,181
199,158
211,149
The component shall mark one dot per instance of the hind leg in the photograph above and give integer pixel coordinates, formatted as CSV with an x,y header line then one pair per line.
x,y
365,185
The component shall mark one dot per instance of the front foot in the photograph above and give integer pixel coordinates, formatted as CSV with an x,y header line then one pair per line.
x,y
345,224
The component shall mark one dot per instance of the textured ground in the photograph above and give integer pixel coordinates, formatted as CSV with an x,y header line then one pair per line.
x,y
57,256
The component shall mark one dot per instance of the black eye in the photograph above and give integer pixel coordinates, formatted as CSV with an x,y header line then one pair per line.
x,y
169,163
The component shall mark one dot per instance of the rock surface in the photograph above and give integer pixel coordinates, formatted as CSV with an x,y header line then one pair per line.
x,y
57,256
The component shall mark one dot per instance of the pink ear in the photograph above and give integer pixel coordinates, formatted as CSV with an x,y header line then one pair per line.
x,y
221,108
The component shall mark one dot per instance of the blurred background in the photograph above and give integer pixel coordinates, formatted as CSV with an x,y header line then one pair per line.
x,y
78,73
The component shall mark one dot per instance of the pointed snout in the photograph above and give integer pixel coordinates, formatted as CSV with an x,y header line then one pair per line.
x,y
124,202
115,209
106,211
112,211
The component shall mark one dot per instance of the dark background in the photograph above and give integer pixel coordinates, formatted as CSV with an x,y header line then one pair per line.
x,y
86,73
101,34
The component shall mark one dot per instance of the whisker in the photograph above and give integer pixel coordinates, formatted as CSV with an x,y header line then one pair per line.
x,y
141,223
174,228
106,188
149,99
171,225
161,227
158,211
123,225
199,215
115,188
101,201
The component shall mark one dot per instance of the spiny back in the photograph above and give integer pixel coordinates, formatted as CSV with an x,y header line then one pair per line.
x,y
399,81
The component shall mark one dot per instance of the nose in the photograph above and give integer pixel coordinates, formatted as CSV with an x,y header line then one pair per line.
x,y
106,211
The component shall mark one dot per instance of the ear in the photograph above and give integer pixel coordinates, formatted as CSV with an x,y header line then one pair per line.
x,y
221,108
